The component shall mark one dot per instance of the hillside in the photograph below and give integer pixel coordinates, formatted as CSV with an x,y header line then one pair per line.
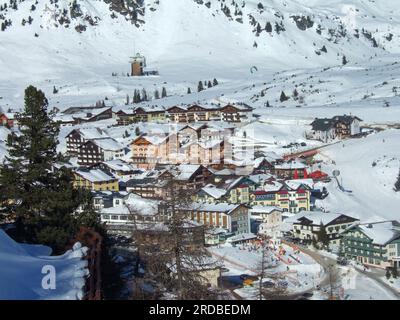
x,y
77,45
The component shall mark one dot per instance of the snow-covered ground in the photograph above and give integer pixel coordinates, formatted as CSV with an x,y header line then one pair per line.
x,y
23,270
187,42
368,168
299,270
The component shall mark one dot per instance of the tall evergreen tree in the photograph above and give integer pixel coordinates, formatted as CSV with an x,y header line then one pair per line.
x,y
283,97
215,82
189,91
144,95
156,94
41,199
268,27
163,92
322,235
200,86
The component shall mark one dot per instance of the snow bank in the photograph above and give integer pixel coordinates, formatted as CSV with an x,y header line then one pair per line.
x,y
23,268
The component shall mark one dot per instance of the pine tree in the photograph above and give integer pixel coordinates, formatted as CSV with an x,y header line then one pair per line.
x,y
200,86
40,198
395,273
156,94
189,91
268,27
258,29
344,60
163,92
88,216
322,235
55,91
136,96
144,95
127,100
215,82
209,85
295,94
283,97
397,184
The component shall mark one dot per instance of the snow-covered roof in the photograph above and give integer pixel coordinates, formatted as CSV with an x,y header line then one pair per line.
x,y
381,232
155,139
95,175
264,209
296,183
272,186
316,217
213,191
225,172
119,165
108,144
92,133
134,204
185,171
9,115
259,178
241,237
214,207
291,165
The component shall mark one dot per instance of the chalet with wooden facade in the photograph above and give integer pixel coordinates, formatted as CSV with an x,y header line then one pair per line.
x,y
78,137
290,170
338,127
95,151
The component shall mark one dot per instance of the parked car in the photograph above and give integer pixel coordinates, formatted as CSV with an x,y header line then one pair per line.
x,y
342,261
268,284
223,269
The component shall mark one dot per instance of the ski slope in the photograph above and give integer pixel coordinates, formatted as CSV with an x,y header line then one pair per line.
x,y
369,168
188,42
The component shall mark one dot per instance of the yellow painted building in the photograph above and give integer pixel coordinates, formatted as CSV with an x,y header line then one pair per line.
x,y
290,200
95,180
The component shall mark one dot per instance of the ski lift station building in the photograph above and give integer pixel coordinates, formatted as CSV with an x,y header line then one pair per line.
x,y
138,62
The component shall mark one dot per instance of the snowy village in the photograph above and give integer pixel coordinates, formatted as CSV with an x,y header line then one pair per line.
x,y
180,172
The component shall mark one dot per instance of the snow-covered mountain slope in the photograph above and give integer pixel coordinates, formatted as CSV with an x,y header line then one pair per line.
x,y
22,270
369,168
76,45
